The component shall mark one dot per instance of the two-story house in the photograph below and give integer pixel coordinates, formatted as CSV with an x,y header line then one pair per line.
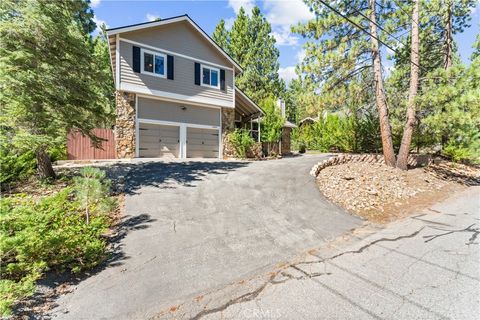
x,y
175,91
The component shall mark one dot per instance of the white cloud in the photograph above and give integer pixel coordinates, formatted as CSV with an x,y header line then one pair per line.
x,y
286,13
283,36
94,3
388,68
229,23
287,74
300,55
282,15
475,9
246,4
99,23
152,17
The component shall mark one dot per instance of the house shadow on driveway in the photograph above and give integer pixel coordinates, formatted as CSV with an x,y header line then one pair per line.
x,y
168,175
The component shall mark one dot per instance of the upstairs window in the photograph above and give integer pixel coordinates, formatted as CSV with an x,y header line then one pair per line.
x,y
153,63
210,77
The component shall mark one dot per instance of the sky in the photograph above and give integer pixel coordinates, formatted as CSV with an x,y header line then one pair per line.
x,y
280,13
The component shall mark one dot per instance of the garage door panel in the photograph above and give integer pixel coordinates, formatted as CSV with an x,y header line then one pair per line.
x,y
202,143
202,154
196,141
157,141
200,147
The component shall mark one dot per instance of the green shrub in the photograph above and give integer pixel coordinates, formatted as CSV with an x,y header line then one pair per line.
x,y
349,133
241,141
91,190
467,150
14,165
38,235
17,164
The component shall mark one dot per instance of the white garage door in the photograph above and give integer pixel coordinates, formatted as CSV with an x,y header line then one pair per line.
x,y
202,143
158,141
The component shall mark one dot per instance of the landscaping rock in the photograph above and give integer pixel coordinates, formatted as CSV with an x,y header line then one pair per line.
x,y
373,190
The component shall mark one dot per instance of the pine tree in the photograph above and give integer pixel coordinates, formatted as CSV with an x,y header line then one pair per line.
x,y
239,38
439,20
402,160
341,55
252,45
48,75
221,36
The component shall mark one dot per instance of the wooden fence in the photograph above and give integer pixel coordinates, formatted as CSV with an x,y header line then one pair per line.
x,y
80,147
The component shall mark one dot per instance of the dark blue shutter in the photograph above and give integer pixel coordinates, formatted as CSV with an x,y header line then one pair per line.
x,y
136,59
170,67
222,79
197,73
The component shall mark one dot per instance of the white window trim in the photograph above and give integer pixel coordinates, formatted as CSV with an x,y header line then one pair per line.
x,y
202,66
154,53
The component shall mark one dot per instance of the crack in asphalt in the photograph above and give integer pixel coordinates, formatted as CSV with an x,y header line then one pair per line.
x,y
363,248
307,275
241,299
475,232
251,296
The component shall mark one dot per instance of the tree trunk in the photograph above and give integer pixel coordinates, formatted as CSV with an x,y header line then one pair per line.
x,y
380,97
44,165
448,36
447,59
402,160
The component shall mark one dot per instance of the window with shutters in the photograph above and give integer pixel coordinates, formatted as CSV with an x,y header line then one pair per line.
x,y
153,63
210,77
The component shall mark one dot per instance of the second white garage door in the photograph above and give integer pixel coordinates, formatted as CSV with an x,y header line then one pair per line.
x,y
202,143
159,141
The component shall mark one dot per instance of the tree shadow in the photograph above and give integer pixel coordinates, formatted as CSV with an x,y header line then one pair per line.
x,y
466,177
167,175
56,282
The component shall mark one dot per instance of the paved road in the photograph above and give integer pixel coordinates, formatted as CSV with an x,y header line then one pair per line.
x,y
194,227
423,267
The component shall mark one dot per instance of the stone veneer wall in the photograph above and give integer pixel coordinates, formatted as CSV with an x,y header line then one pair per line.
x,y
286,145
228,125
125,125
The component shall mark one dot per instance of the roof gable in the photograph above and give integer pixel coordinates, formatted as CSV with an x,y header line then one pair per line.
x,y
180,34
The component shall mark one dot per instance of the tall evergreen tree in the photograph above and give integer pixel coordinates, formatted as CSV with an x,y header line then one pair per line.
x,y
439,20
252,45
48,75
402,160
221,36
340,54
239,38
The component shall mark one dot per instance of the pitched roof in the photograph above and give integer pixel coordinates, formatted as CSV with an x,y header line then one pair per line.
x,y
253,108
185,17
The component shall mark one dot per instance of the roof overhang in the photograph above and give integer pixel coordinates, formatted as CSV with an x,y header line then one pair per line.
x,y
145,25
288,124
245,106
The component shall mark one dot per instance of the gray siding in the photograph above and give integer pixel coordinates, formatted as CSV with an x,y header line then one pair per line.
x,y
179,37
184,73
170,111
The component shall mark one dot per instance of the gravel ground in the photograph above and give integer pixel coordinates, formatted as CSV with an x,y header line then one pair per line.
x,y
380,193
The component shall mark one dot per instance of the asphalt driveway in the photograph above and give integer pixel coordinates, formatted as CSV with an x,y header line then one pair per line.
x,y
196,226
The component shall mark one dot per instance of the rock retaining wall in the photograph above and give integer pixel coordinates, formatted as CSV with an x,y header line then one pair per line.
x,y
413,160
